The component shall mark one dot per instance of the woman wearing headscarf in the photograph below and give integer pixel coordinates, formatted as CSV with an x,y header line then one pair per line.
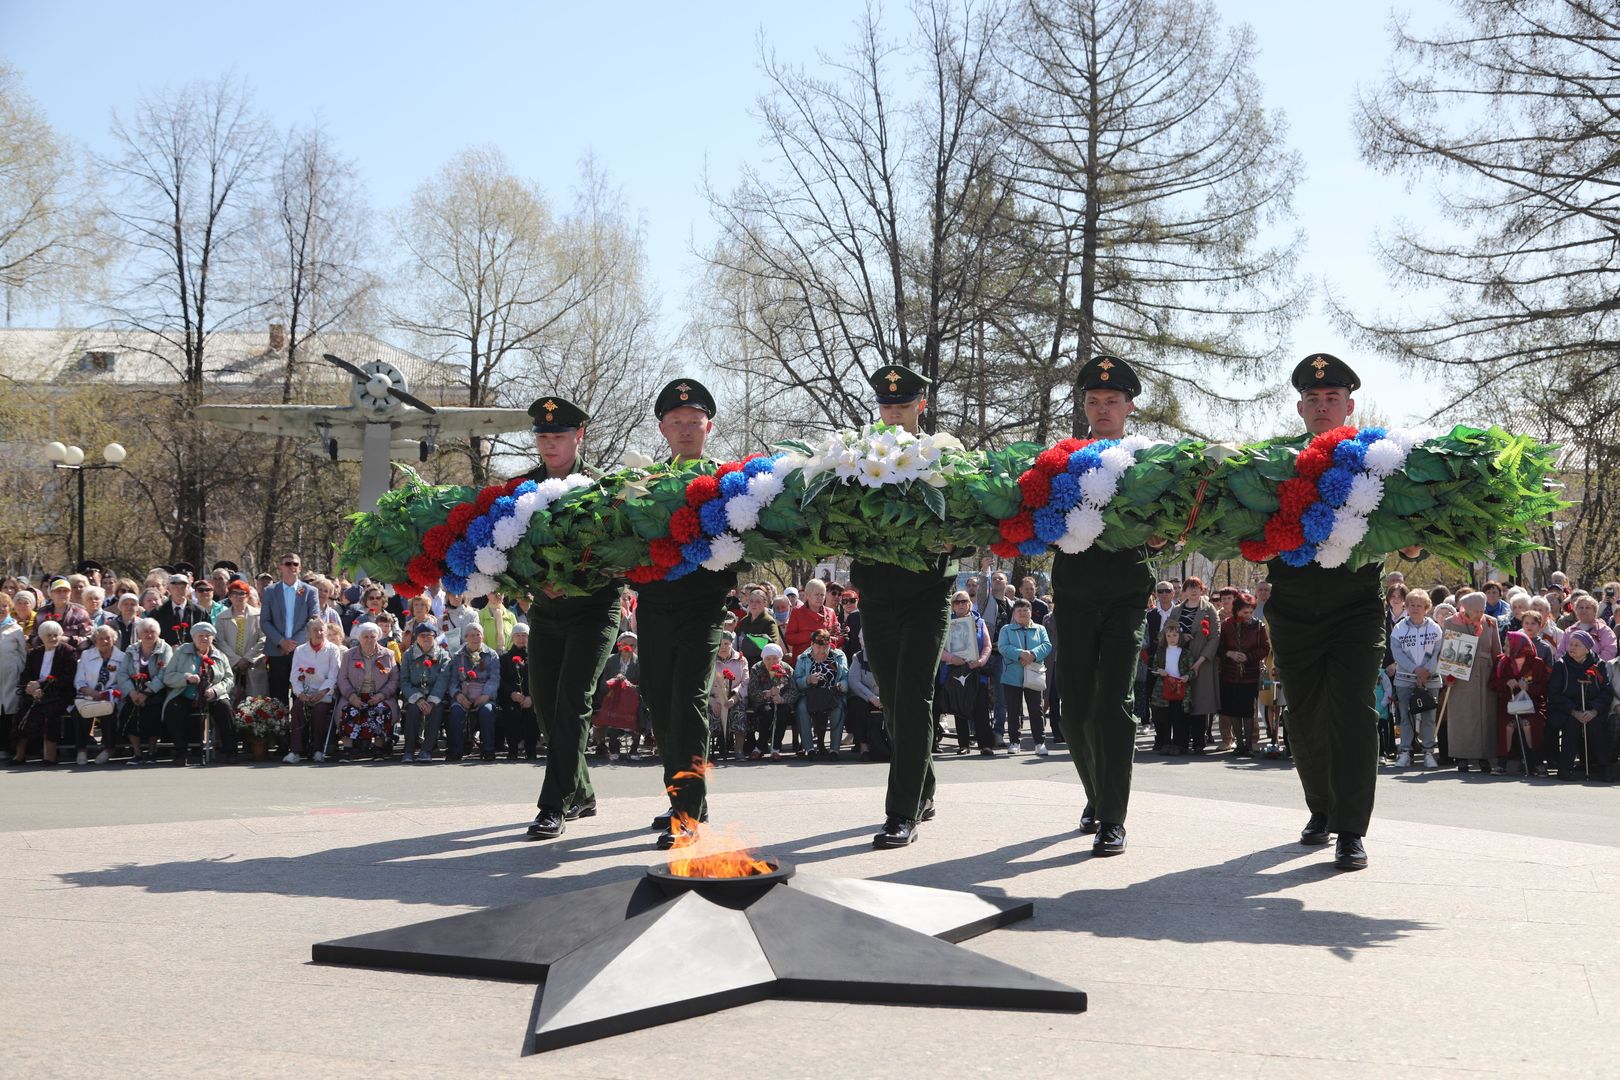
x,y
47,692
199,683
1578,694
368,683
1520,669
140,682
1471,703
13,657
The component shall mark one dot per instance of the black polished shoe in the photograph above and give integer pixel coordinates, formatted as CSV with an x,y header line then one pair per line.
x,y
581,809
548,825
927,812
1315,833
1350,854
1110,840
661,822
1088,820
897,832
677,835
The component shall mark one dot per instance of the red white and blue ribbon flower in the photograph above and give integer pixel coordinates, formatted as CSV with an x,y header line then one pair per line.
x,y
707,532
1065,493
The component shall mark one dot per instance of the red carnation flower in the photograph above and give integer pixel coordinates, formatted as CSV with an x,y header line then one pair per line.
x,y
1284,534
1052,461
685,525
1037,488
486,499
1005,549
511,486
422,570
436,541
640,575
461,516
727,469
1296,495
665,553
1070,445
1256,551
1312,463
700,489
409,590
1018,528
1328,440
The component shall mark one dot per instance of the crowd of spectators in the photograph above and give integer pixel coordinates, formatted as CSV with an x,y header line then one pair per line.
x,y
298,666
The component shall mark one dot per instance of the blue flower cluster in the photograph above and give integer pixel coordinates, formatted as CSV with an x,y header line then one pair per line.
x,y
714,516
1334,485
1317,523
460,556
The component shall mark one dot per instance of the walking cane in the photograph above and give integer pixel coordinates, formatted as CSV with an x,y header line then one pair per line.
x,y
1586,753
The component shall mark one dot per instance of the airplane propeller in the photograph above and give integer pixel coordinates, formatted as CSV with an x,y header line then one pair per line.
x,y
379,385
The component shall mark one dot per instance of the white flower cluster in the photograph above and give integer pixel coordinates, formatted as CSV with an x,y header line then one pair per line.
x,y
742,511
1084,521
491,559
1383,457
877,455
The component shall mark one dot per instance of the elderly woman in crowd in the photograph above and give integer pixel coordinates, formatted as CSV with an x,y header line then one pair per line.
x,y
1586,618
241,639
95,691
23,604
475,679
1578,698
626,666
1200,626
71,617
821,675
424,680
122,617
812,615
13,658
372,599
368,686
140,683
1243,651
198,680
1024,647
1520,671
47,692
314,679
773,699
1471,708
728,693
518,726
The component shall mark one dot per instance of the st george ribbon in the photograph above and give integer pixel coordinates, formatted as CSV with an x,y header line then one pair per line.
x,y
661,947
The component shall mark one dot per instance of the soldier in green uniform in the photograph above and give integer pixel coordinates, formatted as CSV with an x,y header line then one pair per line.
x,y
1098,601
904,615
570,639
678,627
1327,634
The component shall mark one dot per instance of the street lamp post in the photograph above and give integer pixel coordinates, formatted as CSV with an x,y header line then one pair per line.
x,y
72,459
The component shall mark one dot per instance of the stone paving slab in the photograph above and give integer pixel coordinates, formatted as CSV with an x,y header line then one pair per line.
x,y
1215,947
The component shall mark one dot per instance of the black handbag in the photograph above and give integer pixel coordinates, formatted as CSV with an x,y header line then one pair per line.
x,y
1421,701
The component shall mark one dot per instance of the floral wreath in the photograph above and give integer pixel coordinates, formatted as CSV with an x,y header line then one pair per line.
x,y
468,550
1065,493
707,531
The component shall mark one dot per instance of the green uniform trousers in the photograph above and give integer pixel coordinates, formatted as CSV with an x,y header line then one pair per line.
x,y
570,640
1098,602
1327,634
678,636
904,615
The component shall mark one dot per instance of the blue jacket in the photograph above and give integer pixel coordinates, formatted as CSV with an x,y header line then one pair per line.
x,y
1013,640
273,612
801,669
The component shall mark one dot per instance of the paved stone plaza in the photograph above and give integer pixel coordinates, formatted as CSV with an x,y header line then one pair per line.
x,y
159,923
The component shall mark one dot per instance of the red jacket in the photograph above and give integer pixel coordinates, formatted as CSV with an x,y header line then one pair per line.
x,y
803,624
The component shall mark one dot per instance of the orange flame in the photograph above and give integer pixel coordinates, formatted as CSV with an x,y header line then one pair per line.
x,y
713,853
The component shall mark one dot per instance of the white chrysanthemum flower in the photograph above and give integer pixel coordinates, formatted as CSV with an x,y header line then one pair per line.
x,y
525,505
489,561
507,532
635,459
1385,456
786,464
576,481
1332,555
1069,544
724,550
481,584
1098,486
1116,459
742,513
1133,443
765,486
1406,438
1366,492
1084,524
551,490
1349,529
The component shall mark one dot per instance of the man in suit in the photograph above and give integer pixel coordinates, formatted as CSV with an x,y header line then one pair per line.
x,y
284,613
178,614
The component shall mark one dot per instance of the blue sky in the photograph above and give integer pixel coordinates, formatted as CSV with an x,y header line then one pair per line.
x,y
658,92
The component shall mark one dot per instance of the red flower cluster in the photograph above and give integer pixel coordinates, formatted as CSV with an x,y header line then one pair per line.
x,y
1312,463
1053,460
684,524
1284,534
437,540
422,570
700,489
1256,551
666,553
1035,487
640,575
1296,495
1036,484
1018,528
734,466
461,516
409,590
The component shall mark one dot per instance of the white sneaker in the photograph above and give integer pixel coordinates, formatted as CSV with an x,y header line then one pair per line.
x,y
1040,749
1429,762
1403,760
101,758
319,757
292,758
82,759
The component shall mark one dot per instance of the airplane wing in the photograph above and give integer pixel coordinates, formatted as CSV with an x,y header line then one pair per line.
x,y
297,421
452,422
